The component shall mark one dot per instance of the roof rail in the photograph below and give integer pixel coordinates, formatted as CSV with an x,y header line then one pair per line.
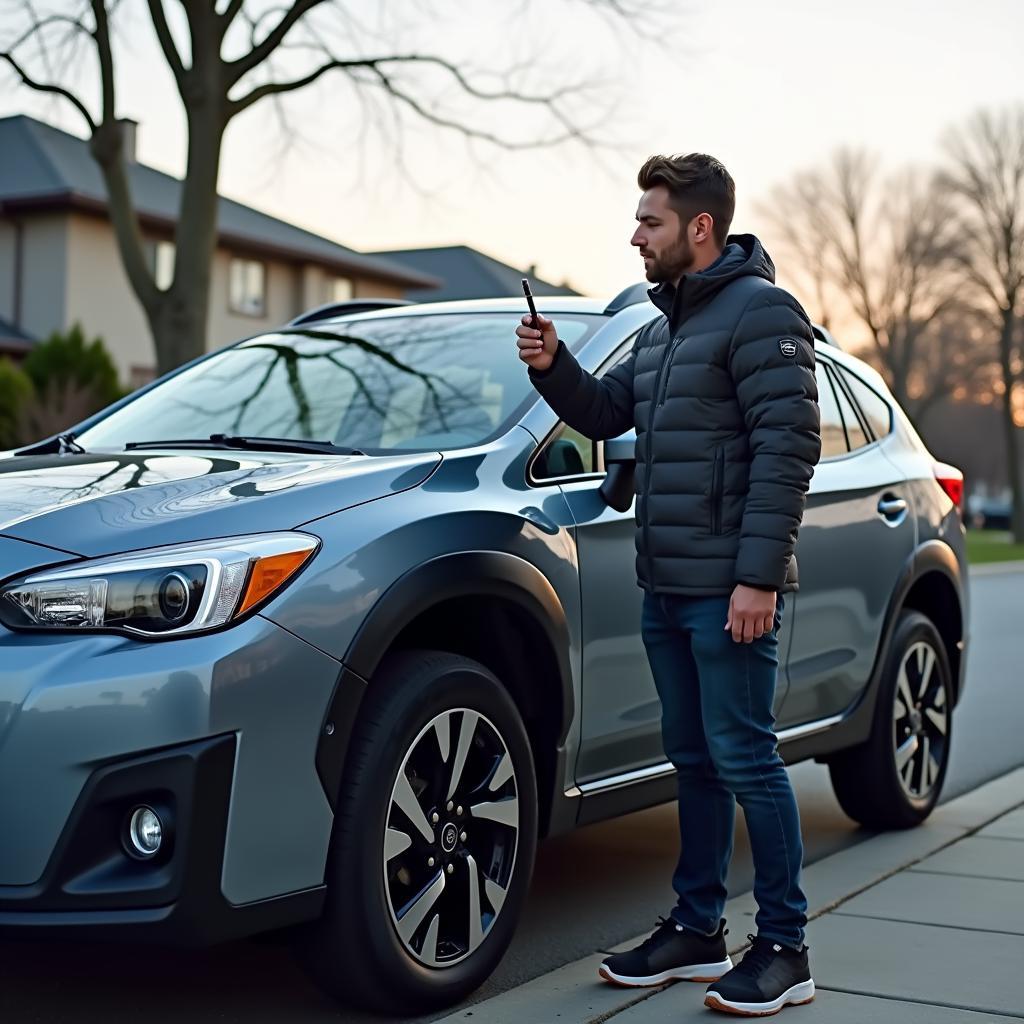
x,y
628,297
825,335
350,306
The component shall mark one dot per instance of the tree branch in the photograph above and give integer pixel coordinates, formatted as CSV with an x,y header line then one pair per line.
x,y
261,51
47,87
163,34
102,37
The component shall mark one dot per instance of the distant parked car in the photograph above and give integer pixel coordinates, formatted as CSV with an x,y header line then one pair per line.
x,y
329,626
990,514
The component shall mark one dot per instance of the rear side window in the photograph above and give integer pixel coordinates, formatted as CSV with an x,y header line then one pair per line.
x,y
856,436
833,435
875,409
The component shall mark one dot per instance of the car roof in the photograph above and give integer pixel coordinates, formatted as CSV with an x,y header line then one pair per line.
x,y
627,304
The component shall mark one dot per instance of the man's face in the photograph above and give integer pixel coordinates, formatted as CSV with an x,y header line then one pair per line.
x,y
661,237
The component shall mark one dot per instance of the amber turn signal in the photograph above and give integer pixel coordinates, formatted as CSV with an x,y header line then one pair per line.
x,y
268,574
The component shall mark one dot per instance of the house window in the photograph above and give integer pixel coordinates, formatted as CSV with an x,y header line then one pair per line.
x,y
163,264
339,289
138,376
248,287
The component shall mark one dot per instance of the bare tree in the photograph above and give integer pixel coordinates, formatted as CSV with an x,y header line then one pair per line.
x,y
883,249
985,175
222,57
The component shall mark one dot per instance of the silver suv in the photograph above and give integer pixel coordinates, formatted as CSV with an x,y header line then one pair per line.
x,y
329,626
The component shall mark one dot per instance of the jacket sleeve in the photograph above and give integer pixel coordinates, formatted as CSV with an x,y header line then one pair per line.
x,y
771,359
598,409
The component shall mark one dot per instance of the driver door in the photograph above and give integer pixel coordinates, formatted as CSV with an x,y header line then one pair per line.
x,y
621,723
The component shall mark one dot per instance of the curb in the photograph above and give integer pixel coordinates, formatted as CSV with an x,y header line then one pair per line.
x,y
573,995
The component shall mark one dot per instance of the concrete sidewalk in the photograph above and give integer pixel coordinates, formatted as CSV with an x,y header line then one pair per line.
x,y
918,927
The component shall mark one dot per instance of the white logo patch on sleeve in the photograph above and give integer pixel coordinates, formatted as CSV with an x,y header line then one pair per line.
x,y
787,346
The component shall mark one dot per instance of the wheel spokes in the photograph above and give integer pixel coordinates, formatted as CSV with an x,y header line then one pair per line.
x,y
443,729
903,685
469,720
905,751
476,931
405,798
420,907
495,894
395,842
501,774
429,951
505,812
925,665
453,788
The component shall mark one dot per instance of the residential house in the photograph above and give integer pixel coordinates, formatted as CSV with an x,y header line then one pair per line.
x,y
59,261
468,274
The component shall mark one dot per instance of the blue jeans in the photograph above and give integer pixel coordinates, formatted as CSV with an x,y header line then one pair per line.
x,y
718,730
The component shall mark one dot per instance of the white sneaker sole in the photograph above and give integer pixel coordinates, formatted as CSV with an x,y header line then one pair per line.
x,y
692,972
795,996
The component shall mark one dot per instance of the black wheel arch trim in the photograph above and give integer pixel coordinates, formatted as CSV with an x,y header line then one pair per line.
x,y
461,574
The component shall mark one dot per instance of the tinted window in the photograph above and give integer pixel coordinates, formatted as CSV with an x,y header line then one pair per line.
x,y
409,383
568,448
855,434
833,437
568,453
875,409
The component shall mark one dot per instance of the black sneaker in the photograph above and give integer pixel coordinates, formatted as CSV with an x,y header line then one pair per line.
x,y
768,978
672,952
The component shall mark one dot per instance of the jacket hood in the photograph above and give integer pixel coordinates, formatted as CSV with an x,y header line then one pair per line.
x,y
743,256
105,502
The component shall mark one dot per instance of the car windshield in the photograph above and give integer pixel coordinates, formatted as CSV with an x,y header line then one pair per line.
x,y
410,383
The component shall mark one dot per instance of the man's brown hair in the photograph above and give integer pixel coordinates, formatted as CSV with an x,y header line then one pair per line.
x,y
696,183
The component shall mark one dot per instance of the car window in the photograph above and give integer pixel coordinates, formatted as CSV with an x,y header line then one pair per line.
x,y
405,383
855,434
568,453
833,436
875,409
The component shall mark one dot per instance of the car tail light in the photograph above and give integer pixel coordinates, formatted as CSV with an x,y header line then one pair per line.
x,y
951,480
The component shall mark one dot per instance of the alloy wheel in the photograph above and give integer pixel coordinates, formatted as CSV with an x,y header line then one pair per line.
x,y
450,839
920,721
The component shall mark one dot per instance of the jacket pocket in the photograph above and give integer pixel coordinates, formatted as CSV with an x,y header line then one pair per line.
x,y
717,485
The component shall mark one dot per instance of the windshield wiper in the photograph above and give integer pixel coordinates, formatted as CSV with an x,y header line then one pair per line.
x,y
256,444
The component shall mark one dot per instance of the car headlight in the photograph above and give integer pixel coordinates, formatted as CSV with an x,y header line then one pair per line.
x,y
187,588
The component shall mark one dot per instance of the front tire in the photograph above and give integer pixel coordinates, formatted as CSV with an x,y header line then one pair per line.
x,y
894,780
434,838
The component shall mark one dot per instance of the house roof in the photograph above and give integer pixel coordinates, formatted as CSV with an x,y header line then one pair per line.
x,y
468,274
46,168
13,340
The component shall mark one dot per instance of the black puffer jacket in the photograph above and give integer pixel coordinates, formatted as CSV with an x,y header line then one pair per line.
x,y
721,392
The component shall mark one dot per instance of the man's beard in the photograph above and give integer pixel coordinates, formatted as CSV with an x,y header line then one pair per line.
x,y
672,264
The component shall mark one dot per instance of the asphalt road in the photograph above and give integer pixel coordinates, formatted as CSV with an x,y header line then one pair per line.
x,y
591,889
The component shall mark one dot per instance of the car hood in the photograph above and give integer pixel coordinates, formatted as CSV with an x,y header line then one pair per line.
x,y
101,503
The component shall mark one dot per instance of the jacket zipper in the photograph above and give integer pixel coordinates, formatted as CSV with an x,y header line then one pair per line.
x,y
666,367
660,389
716,490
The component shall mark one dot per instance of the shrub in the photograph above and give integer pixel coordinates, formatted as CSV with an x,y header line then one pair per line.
x,y
16,394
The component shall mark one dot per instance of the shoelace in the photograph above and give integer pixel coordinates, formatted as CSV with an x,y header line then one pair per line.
x,y
758,958
665,926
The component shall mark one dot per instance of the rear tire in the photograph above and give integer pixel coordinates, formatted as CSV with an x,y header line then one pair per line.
x,y
419,912
894,780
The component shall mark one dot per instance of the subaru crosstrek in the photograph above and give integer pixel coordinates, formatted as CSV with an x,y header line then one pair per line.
x,y
329,626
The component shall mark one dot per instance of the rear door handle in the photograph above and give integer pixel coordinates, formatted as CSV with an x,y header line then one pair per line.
x,y
892,508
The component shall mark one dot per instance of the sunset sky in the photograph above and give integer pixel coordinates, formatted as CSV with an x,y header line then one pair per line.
x,y
769,88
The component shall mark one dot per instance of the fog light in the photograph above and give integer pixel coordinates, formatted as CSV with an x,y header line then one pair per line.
x,y
145,832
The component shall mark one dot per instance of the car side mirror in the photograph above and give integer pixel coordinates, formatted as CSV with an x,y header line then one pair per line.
x,y
617,488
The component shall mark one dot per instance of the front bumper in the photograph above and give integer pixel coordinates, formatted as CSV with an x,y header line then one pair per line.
x,y
221,728
93,888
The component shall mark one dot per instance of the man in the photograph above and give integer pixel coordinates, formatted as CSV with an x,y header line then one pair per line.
x,y
722,395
